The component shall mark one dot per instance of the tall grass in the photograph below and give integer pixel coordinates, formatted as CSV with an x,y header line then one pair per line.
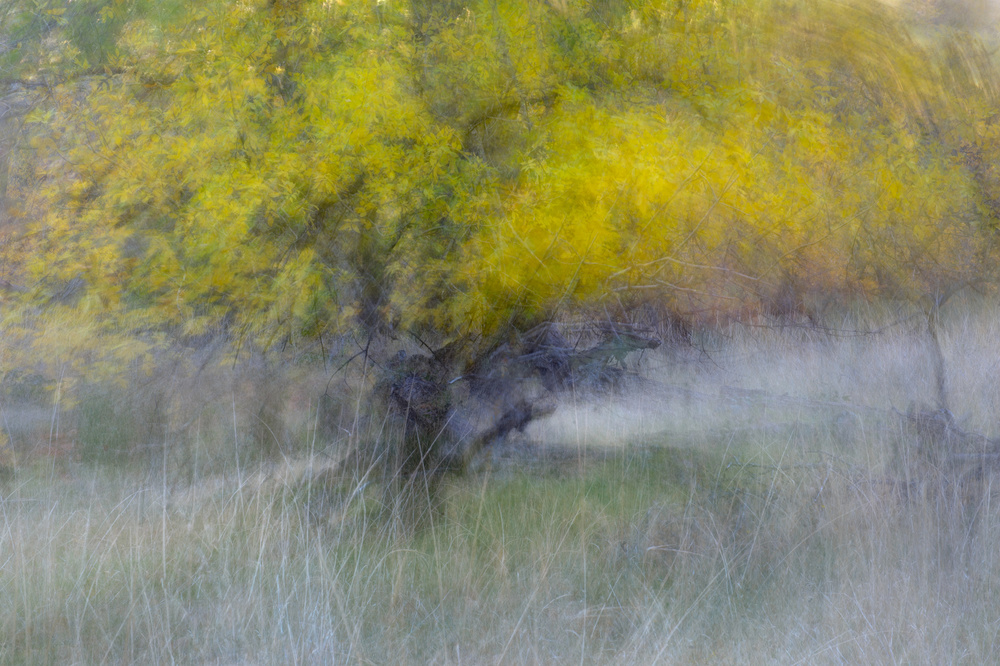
x,y
750,506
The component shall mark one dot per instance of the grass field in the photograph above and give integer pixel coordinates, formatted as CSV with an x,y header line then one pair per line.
x,y
761,500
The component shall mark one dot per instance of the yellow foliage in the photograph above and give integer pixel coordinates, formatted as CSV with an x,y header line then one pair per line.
x,y
297,168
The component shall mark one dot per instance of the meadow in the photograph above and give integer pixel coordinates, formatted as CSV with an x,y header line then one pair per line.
x,y
761,498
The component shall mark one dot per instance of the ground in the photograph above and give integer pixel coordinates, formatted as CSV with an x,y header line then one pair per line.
x,y
747,506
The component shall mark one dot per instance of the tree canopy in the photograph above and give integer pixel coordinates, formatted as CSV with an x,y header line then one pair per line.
x,y
289,169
